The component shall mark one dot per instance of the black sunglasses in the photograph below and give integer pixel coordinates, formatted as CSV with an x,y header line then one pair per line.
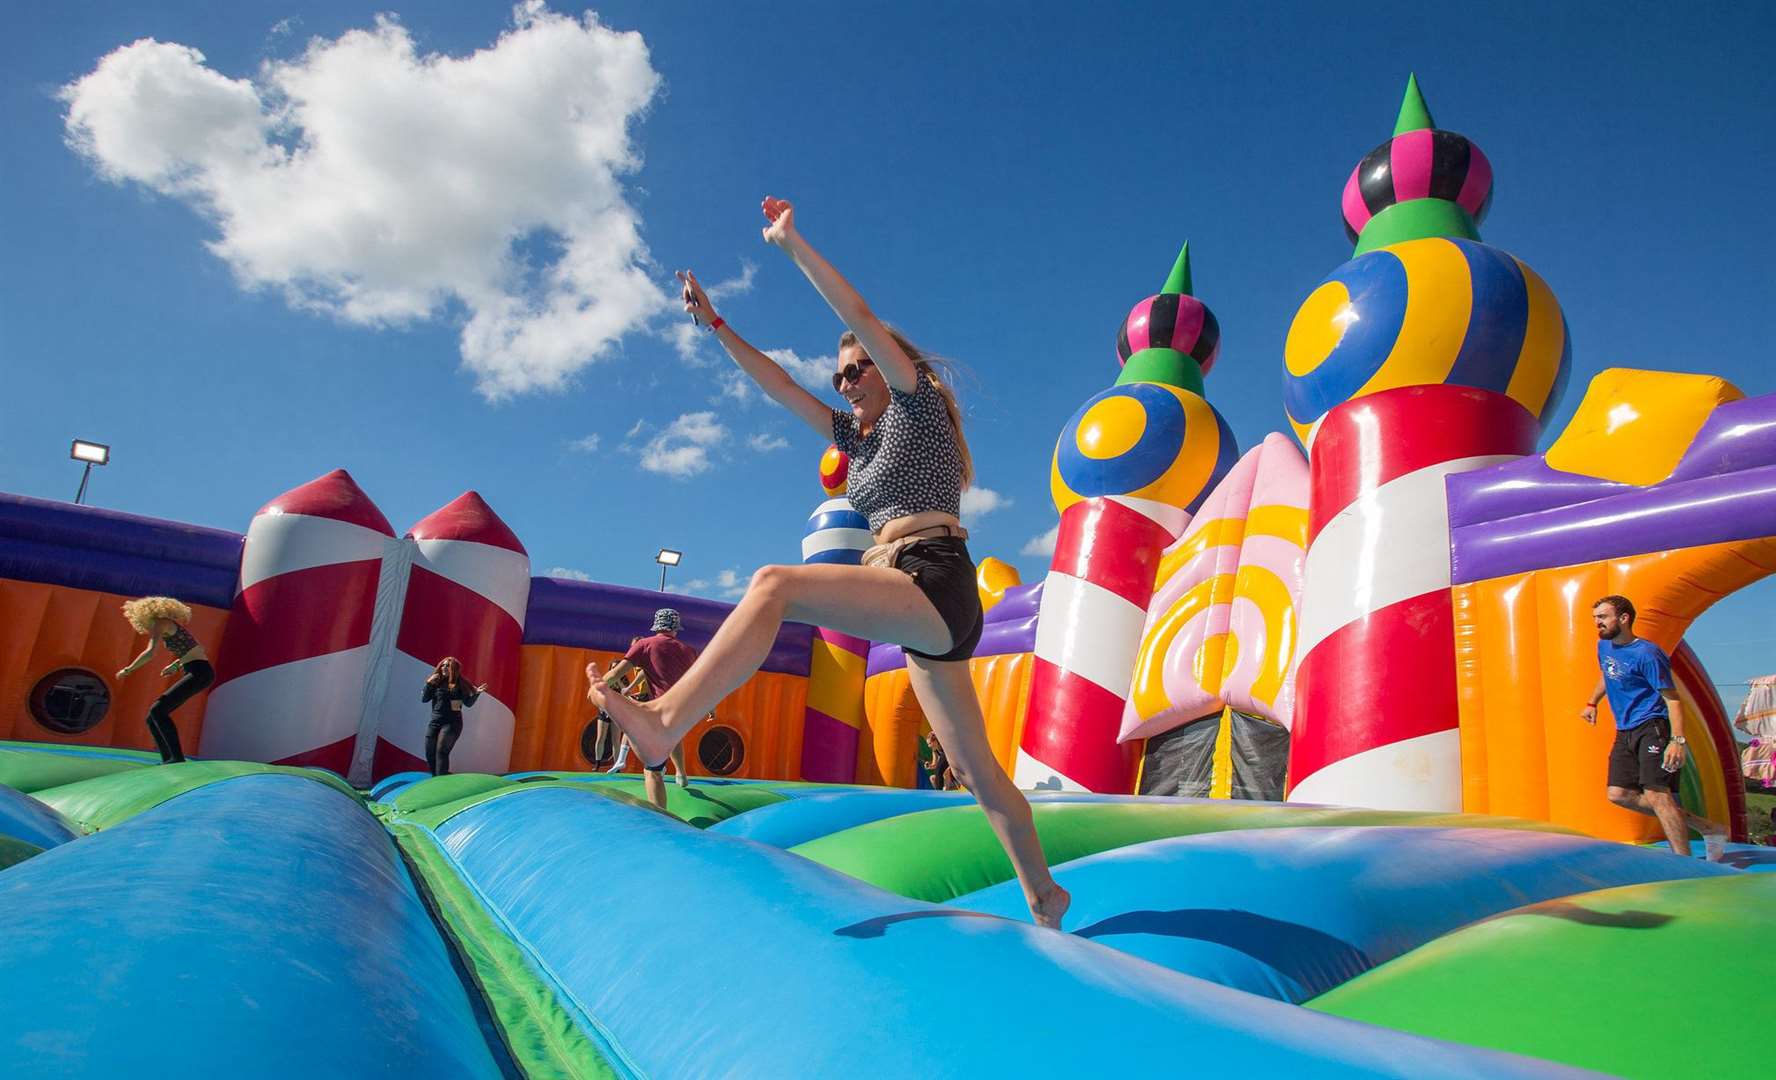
x,y
851,373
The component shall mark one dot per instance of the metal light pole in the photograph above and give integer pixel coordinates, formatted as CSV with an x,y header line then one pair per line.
x,y
93,454
667,557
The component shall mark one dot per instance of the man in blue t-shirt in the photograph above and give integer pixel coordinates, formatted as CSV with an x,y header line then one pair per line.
x,y
1646,762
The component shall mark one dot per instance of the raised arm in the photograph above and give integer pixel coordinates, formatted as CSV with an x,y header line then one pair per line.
x,y
763,370
840,295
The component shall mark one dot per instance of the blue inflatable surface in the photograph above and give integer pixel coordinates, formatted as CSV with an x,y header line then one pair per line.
x,y
613,902
24,818
1293,912
262,926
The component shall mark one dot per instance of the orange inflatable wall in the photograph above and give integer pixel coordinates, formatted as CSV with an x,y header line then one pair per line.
x,y
552,713
1526,662
52,626
888,753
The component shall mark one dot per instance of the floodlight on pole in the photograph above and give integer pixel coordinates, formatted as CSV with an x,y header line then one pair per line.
x,y
667,557
91,453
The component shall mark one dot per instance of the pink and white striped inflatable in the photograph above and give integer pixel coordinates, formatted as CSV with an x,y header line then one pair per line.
x,y
293,662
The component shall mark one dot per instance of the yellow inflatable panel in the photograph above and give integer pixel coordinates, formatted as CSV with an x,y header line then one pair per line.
x,y
1634,426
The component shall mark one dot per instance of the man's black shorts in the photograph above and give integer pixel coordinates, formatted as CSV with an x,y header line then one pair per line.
x,y
1635,759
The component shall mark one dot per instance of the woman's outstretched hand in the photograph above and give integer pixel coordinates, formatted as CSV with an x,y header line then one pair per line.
x,y
696,301
781,215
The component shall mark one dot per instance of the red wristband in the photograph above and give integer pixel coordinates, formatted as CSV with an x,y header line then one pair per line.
x,y
717,324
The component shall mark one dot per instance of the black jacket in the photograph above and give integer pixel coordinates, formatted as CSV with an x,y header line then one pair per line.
x,y
441,695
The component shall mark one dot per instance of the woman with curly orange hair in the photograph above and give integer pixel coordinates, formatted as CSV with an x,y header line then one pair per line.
x,y
164,620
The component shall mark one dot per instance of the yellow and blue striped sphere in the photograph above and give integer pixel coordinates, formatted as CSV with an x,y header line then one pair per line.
x,y
1426,312
1144,440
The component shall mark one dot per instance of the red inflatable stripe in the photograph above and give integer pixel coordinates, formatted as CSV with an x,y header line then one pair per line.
x,y
389,759
443,619
1073,727
298,616
336,496
1378,680
1369,441
1688,669
467,517
1111,546
336,756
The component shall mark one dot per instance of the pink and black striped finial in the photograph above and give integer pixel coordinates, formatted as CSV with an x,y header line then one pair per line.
x,y
1422,182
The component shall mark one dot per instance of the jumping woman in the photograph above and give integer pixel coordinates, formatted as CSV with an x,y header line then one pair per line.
x,y
909,464
163,619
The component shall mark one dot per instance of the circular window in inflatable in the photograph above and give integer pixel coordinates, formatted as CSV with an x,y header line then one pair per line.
x,y
69,701
599,751
721,750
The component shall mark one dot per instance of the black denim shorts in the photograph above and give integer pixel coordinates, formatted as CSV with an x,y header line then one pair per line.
x,y
944,572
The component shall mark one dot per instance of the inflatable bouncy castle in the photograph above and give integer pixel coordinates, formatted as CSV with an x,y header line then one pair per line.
x,y
1362,640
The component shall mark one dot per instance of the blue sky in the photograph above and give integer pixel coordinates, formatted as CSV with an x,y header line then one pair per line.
x,y
1004,181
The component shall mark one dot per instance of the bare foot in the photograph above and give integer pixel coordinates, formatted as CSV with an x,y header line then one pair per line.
x,y
639,720
1048,908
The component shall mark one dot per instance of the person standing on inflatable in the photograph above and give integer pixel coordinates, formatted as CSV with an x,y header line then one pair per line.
x,y
663,659
449,694
916,587
1646,761
163,619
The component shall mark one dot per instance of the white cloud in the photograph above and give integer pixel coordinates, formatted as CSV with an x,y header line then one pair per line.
x,y
766,441
1044,544
687,340
815,372
635,429
681,451
727,585
734,286
978,502
568,572
737,385
384,186
585,445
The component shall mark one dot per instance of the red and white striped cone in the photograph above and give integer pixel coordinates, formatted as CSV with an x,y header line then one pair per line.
x,y
467,591
1375,698
292,665
1094,605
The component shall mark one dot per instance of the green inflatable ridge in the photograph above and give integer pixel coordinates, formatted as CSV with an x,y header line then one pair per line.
x,y
31,767
1547,979
103,801
938,855
541,1034
14,851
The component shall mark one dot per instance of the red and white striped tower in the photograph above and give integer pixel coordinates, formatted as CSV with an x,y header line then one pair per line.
x,y
1094,605
1375,707
293,661
467,591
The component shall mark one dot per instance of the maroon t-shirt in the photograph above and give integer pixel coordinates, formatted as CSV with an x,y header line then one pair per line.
x,y
665,659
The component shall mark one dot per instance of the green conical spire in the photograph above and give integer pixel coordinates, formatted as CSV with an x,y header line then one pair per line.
x,y
1415,115
1179,279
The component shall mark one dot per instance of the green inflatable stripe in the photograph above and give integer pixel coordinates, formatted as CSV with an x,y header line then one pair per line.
x,y
938,855
699,806
14,851
542,1035
104,801
29,770
438,790
1596,980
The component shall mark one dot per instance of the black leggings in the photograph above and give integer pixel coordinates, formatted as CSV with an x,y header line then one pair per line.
x,y
198,674
441,735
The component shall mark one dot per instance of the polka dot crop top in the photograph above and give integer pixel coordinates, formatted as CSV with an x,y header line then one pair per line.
x,y
909,462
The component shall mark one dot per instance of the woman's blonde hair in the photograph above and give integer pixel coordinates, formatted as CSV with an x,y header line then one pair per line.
x,y
144,611
942,371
